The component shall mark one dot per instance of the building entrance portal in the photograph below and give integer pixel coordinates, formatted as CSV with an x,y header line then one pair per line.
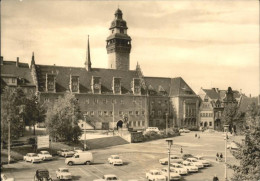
x,y
119,124
205,124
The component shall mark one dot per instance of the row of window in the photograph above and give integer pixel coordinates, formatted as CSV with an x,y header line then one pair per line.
x,y
110,113
206,114
159,112
136,123
165,102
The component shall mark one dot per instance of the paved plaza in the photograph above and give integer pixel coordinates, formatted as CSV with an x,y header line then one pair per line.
x,y
138,159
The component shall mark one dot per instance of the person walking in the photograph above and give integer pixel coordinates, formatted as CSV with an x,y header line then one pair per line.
x,y
221,156
217,157
215,178
198,136
195,135
181,150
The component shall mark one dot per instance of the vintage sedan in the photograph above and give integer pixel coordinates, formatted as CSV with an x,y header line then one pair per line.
x,y
63,174
155,175
194,162
205,163
32,157
45,155
190,167
174,175
173,159
65,153
179,168
108,177
115,160
5,178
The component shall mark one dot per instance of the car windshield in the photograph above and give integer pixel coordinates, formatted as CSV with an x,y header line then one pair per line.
x,y
116,157
64,170
45,153
178,166
65,150
34,154
156,173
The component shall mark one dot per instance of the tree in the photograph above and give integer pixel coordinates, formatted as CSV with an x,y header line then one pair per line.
x,y
34,112
249,150
62,118
11,101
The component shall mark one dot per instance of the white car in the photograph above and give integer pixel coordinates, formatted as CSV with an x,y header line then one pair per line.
x,y
190,167
179,168
174,175
45,155
63,174
184,130
5,178
195,162
206,163
65,153
155,129
115,160
108,177
173,159
232,145
155,175
32,157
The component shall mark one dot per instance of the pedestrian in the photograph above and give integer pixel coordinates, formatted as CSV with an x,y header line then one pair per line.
x,y
195,135
215,178
181,150
198,136
217,155
221,156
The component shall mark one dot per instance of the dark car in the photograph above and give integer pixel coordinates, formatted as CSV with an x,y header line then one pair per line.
x,y
185,156
42,175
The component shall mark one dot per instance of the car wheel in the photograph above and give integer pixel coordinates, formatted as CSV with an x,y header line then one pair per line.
x,y
70,163
87,163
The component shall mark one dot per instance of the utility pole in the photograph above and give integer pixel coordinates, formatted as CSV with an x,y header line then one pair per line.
x,y
9,141
166,115
169,141
85,122
113,118
226,137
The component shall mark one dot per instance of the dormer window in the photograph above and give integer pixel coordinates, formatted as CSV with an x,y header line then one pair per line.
x,y
74,83
50,82
96,85
136,86
116,85
9,79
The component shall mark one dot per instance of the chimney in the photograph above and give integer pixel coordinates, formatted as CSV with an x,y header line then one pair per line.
x,y
250,95
17,62
2,60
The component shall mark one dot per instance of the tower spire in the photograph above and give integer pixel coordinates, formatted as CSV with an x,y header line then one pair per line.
x,y
32,61
88,59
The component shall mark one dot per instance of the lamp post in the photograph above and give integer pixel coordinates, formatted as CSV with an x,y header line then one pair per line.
x,y
166,117
226,131
85,119
169,141
9,141
113,118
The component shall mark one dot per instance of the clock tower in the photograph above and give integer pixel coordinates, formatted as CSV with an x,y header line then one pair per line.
x,y
118,43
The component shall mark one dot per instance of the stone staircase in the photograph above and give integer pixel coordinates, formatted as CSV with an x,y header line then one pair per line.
x,y
105,142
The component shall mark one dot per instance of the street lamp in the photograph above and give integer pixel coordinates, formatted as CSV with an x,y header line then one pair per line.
x,y
85,119
226,131
166,117
169,141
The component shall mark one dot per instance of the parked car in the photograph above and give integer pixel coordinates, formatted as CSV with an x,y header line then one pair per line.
x,y
155,175
195,162
190,167
185,156
32,157
85,157
41,175
45,155
173,174
206,163
183,130
232,146
115,160
5,178
155,129
65,153
63,174
173,159
108,177
179,168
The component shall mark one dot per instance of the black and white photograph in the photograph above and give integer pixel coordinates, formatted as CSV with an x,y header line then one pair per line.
x,y
141,90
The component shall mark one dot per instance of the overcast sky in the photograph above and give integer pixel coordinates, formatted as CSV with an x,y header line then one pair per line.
x,y
207,43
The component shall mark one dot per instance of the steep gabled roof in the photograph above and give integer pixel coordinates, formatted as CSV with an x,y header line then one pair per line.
x,y
85,78
245,102
23,71
180,87
159,85
211,93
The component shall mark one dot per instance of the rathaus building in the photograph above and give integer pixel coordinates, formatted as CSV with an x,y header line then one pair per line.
x,y
114,96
